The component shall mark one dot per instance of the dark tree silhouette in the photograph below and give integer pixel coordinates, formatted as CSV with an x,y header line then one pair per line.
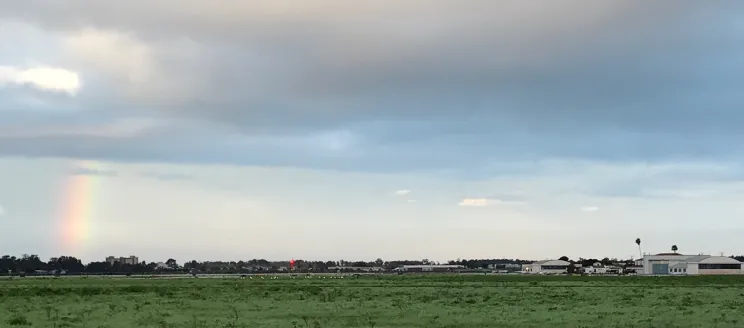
x,y
638,242
171,263
674,249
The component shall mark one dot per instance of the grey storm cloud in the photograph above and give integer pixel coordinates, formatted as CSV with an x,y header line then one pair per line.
x,y
399,84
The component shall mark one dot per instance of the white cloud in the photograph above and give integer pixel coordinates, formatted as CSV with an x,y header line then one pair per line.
x,y
481,202
112,52
42,77
402,192
474,202
411,200
590,208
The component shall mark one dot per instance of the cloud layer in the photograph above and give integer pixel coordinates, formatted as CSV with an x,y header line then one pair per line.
x,y
377,85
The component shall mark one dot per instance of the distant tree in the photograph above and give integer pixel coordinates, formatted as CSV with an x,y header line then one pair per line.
x,y
674,249
171,263
69,264
588,262
563,258
30,264
638,242
571,268
193,264
98,267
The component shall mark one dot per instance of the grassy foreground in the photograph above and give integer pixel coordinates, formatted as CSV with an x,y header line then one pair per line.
x,y
389,301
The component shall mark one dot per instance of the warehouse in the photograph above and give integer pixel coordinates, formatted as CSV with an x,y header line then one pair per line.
x,y
547,267
678,264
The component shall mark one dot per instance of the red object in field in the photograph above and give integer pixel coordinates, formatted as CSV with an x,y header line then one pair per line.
x,y
291,264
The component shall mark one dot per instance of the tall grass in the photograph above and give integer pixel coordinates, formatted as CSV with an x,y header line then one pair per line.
x,y
376,301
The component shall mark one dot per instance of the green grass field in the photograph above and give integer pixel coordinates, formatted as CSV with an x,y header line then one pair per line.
x,y
389,301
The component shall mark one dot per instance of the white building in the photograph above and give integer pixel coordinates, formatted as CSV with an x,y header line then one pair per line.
x,y
601,269
678,264
428,268
547,267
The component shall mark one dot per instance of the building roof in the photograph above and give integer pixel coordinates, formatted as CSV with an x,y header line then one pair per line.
x,y
697,258
668,254
552,262
719,260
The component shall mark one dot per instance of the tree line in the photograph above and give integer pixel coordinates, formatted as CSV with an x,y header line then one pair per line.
x,y
32,264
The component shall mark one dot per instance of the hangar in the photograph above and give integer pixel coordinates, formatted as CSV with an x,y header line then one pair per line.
x,y
678,264
547,267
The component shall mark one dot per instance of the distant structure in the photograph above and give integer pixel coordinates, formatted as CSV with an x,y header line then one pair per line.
x,y
597,268
131,260
678,264
505,267
161,266
355,269
428,268
547,267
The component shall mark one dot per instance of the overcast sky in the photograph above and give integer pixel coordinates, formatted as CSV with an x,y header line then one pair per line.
x,y
401,129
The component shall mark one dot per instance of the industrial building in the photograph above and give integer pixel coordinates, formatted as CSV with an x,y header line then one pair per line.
x,y
547,267
678,264
428,268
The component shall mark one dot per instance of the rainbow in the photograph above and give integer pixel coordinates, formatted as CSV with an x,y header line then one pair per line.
x,y
77,206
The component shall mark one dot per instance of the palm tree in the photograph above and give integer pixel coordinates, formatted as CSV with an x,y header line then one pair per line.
x,y
638,242
674,249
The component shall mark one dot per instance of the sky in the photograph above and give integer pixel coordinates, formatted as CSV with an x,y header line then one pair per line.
x,y
406,129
